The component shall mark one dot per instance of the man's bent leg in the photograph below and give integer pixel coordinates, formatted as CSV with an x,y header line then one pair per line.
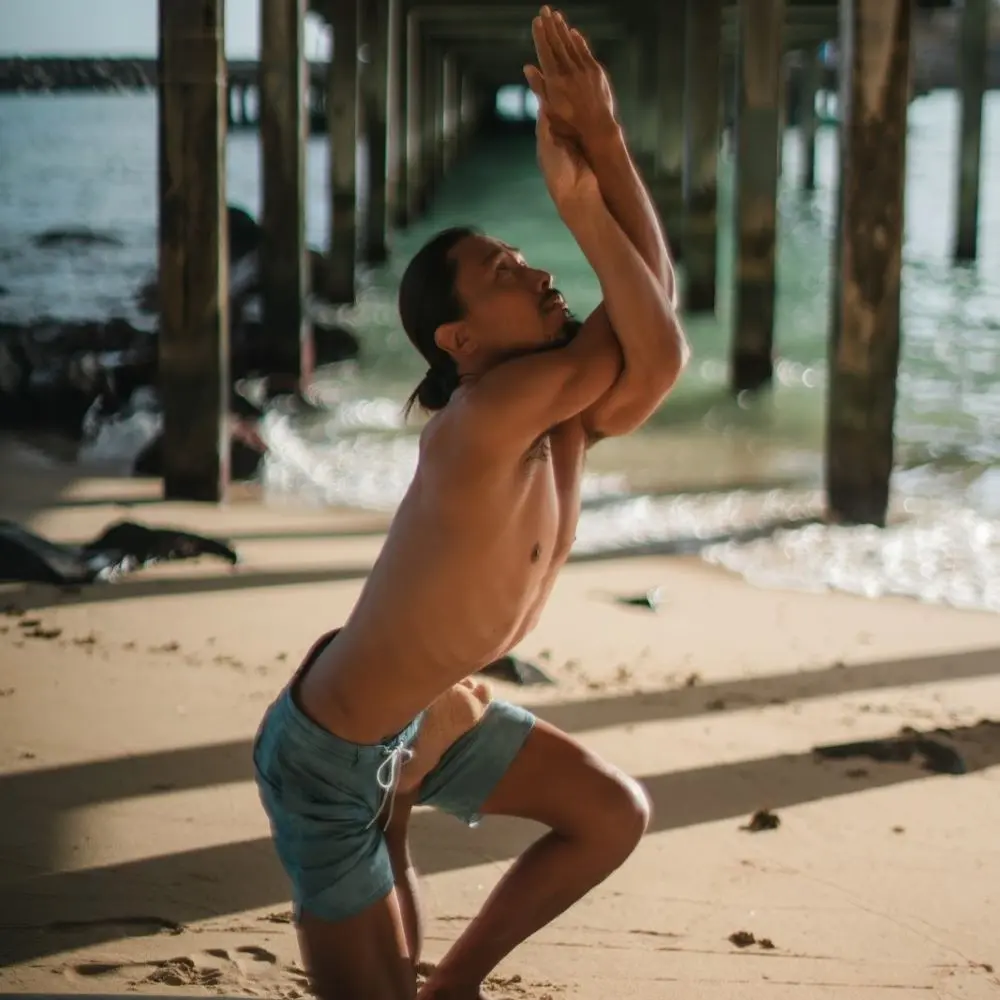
x,y
596,816
407,884
362,956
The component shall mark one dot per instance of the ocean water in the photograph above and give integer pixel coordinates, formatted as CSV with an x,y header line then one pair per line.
x,y
736,480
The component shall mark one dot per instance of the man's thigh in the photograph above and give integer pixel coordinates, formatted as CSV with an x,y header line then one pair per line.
x,y
361,956
556,781
471,768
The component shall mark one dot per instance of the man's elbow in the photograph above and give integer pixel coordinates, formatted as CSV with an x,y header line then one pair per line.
x,y
674,355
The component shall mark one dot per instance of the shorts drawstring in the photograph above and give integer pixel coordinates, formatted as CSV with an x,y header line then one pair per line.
x,y
387,776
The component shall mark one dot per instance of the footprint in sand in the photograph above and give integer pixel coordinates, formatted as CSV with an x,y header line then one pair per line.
x,y
214,967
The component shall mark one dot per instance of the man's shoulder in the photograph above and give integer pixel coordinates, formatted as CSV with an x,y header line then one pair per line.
x,y
455,440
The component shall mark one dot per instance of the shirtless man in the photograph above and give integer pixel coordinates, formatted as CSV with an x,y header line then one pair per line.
x,y
518,391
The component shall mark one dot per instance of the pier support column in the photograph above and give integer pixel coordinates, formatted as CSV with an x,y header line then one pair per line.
x,y
396,116
452,111
808,116
626,80
468,111
342,127
193,342
973,59
375,32
668,175
703,126
430,110
647,118
284,261
414,119
760,93
875,62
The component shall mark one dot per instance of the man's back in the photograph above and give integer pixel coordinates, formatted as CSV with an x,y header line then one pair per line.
x,y
468,563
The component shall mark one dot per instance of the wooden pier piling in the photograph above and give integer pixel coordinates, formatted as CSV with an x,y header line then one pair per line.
x,y
668,176
864,354
342,127
193,341
760,95
284,260
375,100
703,125
973,57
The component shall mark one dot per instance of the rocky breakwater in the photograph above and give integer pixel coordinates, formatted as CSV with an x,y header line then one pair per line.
x,y
95,380
61,73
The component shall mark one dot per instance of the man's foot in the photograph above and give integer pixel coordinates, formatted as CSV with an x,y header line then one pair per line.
x,y
428,992
431,989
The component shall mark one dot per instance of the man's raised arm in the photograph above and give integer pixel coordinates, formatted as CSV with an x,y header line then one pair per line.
x,y
594,127
573,91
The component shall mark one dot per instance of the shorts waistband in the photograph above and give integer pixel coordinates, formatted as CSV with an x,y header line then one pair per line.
x,y
286,714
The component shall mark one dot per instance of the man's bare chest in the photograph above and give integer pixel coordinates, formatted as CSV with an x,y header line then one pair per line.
x,y
554,467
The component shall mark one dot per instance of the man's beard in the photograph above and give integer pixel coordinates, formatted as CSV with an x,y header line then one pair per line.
x,y
570,328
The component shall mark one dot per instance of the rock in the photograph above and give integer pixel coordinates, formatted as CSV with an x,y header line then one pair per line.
x,y
244,233
763,819
78,236
121,548
51,372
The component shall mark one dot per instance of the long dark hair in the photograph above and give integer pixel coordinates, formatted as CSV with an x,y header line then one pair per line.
x,y
427,300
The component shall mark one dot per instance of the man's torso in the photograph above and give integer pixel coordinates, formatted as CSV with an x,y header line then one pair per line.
x,y
466,569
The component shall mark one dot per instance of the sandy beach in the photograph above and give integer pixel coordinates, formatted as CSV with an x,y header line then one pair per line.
x,y
136,857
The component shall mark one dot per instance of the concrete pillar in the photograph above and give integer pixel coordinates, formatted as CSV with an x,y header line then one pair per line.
x,y
396,116
703,125
973,58
755,190
342,125
284,263
452,112
193,342
375,80
808,117
414,119
668,174
864,357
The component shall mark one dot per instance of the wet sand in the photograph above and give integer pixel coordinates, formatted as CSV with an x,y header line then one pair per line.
x,y
136,856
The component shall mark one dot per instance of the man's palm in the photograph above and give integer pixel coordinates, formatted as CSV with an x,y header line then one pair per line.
x,y
567,174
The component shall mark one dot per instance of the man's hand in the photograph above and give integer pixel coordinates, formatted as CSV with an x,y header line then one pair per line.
x,y
572,87
571,183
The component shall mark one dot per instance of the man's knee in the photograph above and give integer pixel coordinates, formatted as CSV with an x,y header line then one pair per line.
x,y
624,815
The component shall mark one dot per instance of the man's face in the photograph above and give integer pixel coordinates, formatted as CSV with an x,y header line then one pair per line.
x,y
511,308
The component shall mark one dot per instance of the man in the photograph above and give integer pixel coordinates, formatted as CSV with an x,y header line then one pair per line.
x,y
518,392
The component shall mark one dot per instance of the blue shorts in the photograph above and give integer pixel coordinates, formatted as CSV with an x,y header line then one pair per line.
x,y
323,796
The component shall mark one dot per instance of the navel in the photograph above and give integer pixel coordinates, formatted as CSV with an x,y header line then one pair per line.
x,y
536,552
